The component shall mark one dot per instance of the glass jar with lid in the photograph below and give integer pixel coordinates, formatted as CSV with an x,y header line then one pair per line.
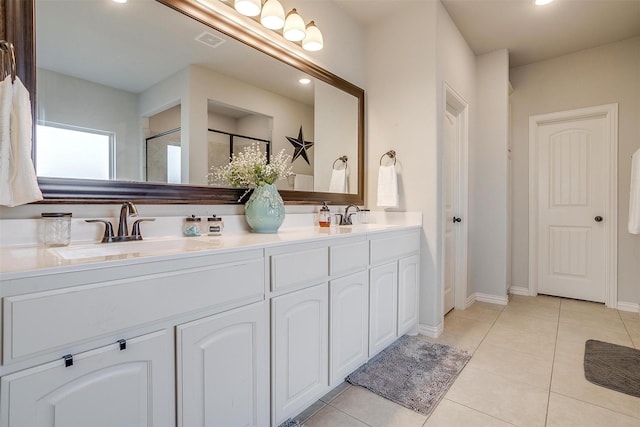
x,y
56,228
215,225
191,226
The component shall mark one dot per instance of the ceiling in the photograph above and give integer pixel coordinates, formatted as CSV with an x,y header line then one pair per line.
x,y
530,33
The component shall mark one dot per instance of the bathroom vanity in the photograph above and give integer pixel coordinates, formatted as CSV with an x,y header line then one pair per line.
x,y
236,330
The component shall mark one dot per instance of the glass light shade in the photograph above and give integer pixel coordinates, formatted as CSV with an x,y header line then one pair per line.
x,y
248,7
272,16
313,40
294,29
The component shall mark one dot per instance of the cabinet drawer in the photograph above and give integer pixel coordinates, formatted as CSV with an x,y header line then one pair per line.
x,y
50,320
348,258
394,247
306,266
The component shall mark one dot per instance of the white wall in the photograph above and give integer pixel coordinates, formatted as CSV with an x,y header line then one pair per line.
x,y
488,177
401,115
603,75
68,100
456,67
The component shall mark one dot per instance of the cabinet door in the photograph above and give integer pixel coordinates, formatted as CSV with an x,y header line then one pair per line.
x,y
408,286
348,324
223,371
299,350
383,306
104,387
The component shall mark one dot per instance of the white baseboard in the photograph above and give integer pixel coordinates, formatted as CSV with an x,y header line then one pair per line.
x,y
628,306
470,300
492,299
519,290
431,331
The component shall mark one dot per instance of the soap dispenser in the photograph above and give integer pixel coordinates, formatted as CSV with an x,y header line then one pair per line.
x,y
324,216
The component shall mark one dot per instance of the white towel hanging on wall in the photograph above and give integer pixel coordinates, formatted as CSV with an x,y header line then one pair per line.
x,y
388,187
338,182
634,197
18,182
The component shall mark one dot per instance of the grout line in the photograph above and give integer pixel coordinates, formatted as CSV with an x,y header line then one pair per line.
x,y
553,364
476,410
596,405
352,416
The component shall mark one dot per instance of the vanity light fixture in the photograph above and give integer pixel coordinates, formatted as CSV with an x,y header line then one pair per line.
x,y
294,28
272,16
304,81
313,39
541,2
248,7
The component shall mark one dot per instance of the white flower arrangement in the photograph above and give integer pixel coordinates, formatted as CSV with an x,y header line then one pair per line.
x,y
249,169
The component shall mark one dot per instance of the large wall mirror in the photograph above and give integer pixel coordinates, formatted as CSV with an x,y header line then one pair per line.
x,y
141,100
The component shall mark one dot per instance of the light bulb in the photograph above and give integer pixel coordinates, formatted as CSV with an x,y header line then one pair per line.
x,y
294,29
541,2
248,7
272,16
313,40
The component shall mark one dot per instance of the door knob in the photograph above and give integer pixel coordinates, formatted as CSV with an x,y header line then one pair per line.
x,y
598,218
455,219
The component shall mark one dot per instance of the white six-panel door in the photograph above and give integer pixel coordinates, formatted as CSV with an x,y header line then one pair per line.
x,y
573,183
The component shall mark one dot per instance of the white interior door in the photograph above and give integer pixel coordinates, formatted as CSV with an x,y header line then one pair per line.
x,y
452,219
572,192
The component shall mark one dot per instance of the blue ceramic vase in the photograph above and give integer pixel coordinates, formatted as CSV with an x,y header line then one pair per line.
x,y
264,210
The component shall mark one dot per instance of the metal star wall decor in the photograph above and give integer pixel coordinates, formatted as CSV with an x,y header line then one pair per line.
x,y
300,146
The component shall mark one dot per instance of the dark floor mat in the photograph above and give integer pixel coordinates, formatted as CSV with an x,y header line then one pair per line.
x,y
612,366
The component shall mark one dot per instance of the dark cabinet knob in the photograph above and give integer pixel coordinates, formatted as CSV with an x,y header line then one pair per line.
x,y
598,218
455,219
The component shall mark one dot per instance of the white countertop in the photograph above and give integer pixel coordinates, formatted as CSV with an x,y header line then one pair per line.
x,y
19,261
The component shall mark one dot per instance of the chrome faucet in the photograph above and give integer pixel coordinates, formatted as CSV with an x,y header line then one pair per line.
x,y
345,219
126,210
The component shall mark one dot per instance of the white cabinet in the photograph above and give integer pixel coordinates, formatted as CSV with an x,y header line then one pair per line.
x,y
299,353
408,285
383,306
223,369
103,387
348,324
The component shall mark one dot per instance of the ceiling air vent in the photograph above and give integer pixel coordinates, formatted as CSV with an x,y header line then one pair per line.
x,y
210,39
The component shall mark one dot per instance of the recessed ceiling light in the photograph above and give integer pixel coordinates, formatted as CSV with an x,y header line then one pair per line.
x,y
120,1
541,2
305,81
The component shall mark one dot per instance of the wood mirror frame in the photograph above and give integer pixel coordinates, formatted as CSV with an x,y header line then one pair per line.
x,y
17,26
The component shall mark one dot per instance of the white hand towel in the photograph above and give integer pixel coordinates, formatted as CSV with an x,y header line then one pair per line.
x,y
303,182
338,183
388,187
634,199
18,182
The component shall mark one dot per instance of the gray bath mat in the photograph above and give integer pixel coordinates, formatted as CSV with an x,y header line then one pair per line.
x,y
612,366
412,372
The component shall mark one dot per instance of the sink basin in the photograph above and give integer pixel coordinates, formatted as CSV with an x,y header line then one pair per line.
x,y
144,247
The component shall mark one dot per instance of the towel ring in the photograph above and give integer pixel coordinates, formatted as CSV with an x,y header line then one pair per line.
x,y
7,48
344,160
391,154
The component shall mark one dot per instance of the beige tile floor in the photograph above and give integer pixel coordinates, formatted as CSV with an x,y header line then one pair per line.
x,y
526,370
